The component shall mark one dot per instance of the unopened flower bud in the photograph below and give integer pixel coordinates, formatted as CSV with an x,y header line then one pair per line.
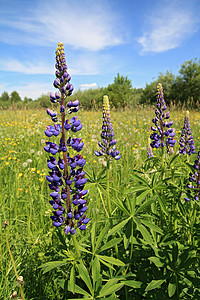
x,y
20,280
14,295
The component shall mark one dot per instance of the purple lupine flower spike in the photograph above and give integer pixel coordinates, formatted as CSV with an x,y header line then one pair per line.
x,y
66,177
186,141
194,185
163,133
108,148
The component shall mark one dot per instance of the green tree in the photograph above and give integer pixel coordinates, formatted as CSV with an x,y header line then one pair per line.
x,y
120,91
187,83
4,97
43,101
27,100
15,97
149,92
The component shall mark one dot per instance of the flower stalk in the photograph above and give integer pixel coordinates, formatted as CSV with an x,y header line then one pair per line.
x,y
66,177
163,133
186,141
107,148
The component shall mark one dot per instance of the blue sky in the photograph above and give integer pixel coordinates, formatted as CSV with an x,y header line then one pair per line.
x,y
101,38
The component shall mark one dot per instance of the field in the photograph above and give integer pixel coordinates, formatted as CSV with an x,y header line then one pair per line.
x,y
148,249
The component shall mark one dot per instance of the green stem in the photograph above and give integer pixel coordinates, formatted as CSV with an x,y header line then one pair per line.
x,y
126,292
103,204
108,191
131,254
13,263
163,163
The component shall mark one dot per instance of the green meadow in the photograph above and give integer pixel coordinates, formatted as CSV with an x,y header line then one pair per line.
x,y
147,249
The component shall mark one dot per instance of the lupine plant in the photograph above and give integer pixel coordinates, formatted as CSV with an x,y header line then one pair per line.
x,y
108,146
163,133
186,141
66,177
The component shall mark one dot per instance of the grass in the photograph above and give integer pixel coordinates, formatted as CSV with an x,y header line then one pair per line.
x,y
24,192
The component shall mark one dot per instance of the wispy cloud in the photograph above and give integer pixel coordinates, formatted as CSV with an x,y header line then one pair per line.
x,y
86,24
168,26
86,86
82,64
13,65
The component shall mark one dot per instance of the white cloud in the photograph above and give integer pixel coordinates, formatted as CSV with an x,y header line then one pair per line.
x,y
168,26
31,90
82,64
13,65
81,24
86,86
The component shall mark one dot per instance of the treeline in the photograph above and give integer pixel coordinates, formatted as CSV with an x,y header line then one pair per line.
x,y
182,90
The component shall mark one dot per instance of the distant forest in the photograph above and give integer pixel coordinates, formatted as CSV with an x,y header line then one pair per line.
x,y
183,89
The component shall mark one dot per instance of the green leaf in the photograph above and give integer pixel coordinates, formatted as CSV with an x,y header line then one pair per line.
x,y
61,283
99,176
140,179
52,265
121,206
96,270
146,235
141,197
154,284
71,282
137,188
83,272
145,205
93,234
110,244
133,283
118,227
101,237
83,249
111,260
171,289
110,287
162,204
159,187
151,226
173,158
81,291
157,262
105,263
